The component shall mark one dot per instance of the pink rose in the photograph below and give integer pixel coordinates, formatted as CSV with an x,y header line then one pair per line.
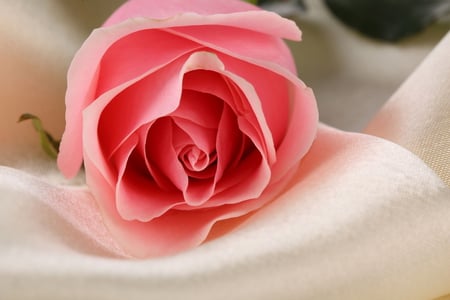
x,y
186,114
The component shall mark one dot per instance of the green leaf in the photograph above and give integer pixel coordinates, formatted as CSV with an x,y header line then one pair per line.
x,y
252,1
284,7
48,143
389,20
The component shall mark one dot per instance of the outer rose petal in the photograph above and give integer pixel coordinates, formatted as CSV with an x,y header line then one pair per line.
x,y
167,9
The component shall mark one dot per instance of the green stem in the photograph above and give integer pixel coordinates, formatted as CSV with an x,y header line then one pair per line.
x,y
48,143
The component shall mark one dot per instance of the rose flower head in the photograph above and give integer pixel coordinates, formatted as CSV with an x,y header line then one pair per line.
x,y
185,114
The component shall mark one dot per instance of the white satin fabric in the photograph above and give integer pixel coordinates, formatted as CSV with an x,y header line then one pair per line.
x,y
367,217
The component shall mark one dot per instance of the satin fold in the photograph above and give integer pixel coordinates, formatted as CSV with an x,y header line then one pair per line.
x,y
417,116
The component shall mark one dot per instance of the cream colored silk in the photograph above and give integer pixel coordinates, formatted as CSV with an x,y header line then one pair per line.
x,y
367,216
417,116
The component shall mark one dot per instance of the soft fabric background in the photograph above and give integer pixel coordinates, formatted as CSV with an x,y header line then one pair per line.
x,y
368,219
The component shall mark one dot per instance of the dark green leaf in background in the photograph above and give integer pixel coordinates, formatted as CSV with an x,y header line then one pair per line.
x,y
291,2
389,20
284,7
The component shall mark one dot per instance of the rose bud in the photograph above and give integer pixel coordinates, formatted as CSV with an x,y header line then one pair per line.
x,y
186,114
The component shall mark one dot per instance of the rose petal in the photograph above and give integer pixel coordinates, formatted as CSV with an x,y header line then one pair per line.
x,y
197,107
199,191
161,180
194,159
137,196
243,42
300,134
248,17
246,181
199,188
161,153
167,9
251,119
180,139
203,138
138,52
230,144
156,95
208,82
274,92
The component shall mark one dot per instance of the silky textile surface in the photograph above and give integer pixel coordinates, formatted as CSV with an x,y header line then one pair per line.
x,y
367,215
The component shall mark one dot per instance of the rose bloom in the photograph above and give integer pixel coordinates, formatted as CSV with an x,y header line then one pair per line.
x,y
186,114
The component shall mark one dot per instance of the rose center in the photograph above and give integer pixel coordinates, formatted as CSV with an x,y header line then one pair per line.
x,y
195,159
